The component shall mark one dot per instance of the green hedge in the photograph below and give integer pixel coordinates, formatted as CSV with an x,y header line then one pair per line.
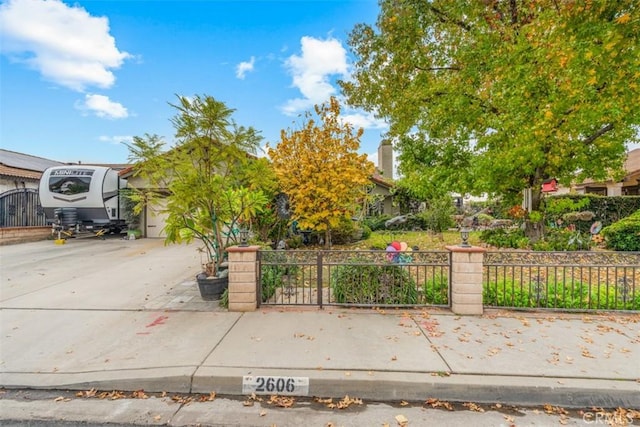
x,y
576,295
606,209
624,235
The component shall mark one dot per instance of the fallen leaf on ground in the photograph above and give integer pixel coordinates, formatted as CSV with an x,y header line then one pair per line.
x,y
139,394
473,407
208,397
435,403
586,353
402,420
282,401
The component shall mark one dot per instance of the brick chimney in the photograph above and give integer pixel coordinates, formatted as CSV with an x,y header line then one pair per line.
x,y
385,159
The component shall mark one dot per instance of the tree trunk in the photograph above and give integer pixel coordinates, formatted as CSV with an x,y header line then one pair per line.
x,y
327,238
534,231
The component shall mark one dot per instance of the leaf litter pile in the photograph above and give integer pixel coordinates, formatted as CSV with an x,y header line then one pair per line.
x,y
611,417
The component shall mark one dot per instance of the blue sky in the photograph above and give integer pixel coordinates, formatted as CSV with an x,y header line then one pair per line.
x,y
79,77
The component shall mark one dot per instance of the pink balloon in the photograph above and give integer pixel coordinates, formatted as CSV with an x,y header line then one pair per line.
x,y
403,246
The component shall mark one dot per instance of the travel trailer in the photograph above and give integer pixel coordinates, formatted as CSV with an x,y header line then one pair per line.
x,y
83,198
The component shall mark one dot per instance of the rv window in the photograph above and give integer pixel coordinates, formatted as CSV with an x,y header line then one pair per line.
x,y
70,181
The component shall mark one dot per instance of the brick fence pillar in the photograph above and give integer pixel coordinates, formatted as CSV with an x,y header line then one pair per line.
x,y
466,279
243,276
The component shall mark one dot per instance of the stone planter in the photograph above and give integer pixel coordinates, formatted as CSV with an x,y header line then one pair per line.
x,y
211,288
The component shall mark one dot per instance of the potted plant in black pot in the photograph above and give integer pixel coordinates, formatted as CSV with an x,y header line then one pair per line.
x,y
210,183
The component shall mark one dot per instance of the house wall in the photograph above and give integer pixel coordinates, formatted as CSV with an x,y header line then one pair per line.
x,y
387,202
8,183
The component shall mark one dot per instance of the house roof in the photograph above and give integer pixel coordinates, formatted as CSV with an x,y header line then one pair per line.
x,y
21,165
382,181
26,161
19,173
631,166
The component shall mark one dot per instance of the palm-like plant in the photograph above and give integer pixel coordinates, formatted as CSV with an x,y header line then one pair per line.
x,y
211,182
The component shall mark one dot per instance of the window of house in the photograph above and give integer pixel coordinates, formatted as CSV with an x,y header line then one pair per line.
x,y
601,191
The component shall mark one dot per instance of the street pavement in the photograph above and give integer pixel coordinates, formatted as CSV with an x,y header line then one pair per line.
x,y
126,315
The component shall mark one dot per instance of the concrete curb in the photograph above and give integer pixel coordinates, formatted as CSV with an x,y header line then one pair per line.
x,y
368,385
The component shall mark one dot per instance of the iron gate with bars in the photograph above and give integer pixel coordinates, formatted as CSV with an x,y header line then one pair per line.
x,y
564,281
21,208
354,278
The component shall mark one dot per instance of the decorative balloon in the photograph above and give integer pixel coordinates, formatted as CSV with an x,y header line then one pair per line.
x,y
596,227
399,252
392,253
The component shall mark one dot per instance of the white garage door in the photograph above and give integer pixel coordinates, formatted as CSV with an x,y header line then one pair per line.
x,y
156,220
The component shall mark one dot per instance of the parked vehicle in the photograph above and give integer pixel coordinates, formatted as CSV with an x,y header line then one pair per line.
x,y
83,198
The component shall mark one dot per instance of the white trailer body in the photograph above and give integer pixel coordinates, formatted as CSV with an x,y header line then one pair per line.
x,y
83,197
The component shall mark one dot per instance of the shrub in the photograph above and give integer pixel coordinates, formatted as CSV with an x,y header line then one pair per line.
x,y
294,242
436,290
358,283
376,223
344,232
564,240
624,235
438,216
606,209
502,238
366,232
271,279
484,219
224,299
272,275
570,295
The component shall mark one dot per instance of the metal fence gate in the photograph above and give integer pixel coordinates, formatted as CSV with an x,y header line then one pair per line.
x,y
21,208
354,278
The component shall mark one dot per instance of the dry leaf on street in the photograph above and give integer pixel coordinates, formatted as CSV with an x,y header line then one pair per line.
x,y
402,420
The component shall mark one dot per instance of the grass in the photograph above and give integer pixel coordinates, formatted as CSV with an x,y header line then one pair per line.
x,y
425,240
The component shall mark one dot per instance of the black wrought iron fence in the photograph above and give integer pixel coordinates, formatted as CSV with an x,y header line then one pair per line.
x,y
354,278
562,280
21,208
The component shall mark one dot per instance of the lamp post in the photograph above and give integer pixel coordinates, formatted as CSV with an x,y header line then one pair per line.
x,y
244,237
464,235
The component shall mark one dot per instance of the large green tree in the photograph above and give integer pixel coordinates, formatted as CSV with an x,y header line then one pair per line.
x,y
496,96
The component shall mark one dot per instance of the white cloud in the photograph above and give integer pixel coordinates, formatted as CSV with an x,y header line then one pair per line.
x,y
319,60
373,158
116,139
363,120
102,106
244,67
64,44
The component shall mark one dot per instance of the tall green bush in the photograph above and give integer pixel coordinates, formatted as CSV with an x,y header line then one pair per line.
x,y
624,235
438,217
358,283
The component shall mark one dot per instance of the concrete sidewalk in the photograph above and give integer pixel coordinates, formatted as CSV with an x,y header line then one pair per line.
x,y
135,330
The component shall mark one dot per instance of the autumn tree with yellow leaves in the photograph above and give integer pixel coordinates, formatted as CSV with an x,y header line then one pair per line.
x,y
318,167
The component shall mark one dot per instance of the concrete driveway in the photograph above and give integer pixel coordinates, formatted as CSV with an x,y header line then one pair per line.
x,y
94,274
